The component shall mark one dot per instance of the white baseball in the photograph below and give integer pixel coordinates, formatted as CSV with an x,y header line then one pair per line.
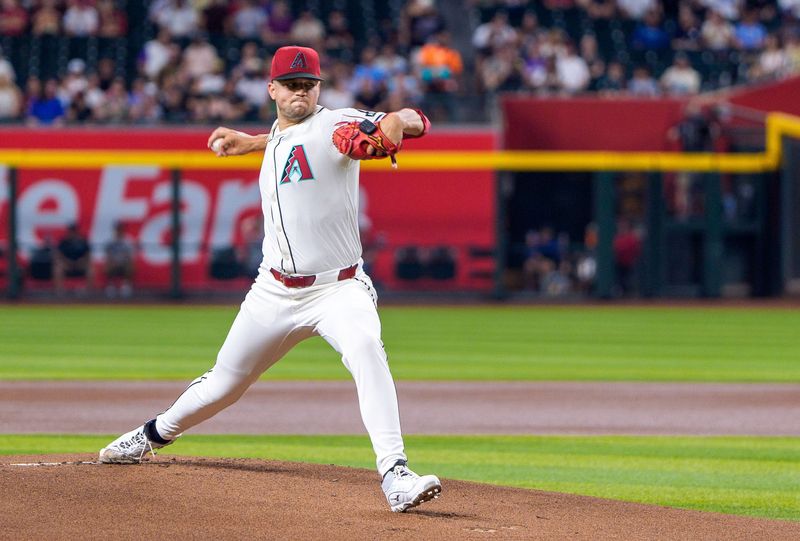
x,y
216,144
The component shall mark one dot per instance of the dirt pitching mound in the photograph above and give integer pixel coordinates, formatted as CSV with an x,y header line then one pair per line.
x,y
70,497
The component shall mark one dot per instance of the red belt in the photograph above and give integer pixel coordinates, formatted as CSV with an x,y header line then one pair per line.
x,y
305,281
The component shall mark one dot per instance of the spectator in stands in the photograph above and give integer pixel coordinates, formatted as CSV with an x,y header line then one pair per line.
x,y
94,95
7,68
766,10
114,108
11,100
337,94
107,72
144,106
113,21
172,99
248,20
627,246
250,250
636,9
227,105
729,9
72,259
772,62
389,61
642,83
543,254
157,54
440,67
251,87
502,72
494,35
680,78
749,33
81,19
529,31
534,68
573,72
649,34
74,81
613,82
339,40
216,17
403,88
369,96
120,252
177,16
32,91
47,19
555,279
368,69
790,8
687,34
45,108
419,22
717,33
308,30
590,52
199,57
792,50
599,9
79,112
13,19
279,24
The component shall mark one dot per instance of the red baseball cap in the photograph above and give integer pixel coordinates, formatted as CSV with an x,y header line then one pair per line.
x,y
295,62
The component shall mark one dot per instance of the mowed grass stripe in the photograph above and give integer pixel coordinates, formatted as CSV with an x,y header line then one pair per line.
x,y
424,343
740,475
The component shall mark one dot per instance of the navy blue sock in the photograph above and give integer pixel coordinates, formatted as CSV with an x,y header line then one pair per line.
x,y
152,434
398,463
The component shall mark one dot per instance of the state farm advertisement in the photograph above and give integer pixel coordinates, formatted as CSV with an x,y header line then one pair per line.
x,y
218,208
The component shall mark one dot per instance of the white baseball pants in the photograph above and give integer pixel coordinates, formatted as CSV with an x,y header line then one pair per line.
x,y
272,320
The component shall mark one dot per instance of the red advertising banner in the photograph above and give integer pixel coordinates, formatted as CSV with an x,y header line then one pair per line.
x,y
399,209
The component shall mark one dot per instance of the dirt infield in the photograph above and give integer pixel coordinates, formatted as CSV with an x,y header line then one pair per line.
x,y
253,499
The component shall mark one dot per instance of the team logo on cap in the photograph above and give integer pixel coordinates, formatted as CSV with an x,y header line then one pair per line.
x,y
299,62
296,167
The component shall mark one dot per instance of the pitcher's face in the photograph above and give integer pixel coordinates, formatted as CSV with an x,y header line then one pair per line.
x,y
295,98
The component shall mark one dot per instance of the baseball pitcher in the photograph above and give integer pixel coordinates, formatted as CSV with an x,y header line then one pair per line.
x,y
311,280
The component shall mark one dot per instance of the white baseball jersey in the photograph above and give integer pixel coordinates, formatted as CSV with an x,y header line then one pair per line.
x,y
309,194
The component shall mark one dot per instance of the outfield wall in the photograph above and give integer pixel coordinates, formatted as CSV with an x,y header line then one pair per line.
x,y
399,208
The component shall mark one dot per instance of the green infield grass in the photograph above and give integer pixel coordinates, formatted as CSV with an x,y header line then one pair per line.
x,y
738,475
558,343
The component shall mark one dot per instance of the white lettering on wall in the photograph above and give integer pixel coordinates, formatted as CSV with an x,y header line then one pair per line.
x,y
234,197
155,233
113,205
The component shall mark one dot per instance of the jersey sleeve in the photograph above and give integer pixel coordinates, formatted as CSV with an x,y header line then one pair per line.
x,y
351,114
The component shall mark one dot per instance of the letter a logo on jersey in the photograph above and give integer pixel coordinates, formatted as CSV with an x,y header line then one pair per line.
x,y
296,167
299,62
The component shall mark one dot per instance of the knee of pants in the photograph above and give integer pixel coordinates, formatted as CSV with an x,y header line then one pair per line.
x,y
362,346
224,388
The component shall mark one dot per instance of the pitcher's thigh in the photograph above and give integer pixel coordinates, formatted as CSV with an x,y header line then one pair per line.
x,y
252,347
348,320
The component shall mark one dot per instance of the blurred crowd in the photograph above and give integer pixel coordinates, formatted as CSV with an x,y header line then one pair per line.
x,y
635,47
182,76
206,61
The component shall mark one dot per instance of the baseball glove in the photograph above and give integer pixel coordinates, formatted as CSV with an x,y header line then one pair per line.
x,y
354,139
